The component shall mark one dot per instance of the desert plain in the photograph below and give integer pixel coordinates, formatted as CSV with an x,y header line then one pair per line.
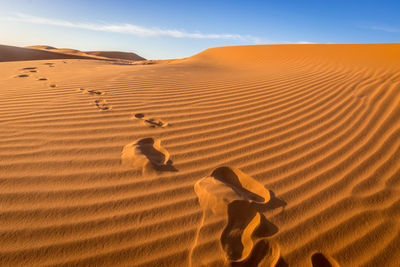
x,y
264,155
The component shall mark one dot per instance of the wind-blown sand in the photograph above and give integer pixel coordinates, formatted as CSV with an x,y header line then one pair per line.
x,y
241,156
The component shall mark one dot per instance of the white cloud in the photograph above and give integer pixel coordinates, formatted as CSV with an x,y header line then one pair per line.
x,y
298,42
133,29
304,42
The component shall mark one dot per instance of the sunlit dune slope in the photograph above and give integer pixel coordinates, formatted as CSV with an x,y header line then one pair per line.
x,y
276,155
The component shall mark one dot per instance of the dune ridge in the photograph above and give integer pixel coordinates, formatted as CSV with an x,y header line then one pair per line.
x,y
109,55
120,165
12,53
44,52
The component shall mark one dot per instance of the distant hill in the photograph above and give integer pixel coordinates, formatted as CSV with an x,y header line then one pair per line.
x,y
117,55
43,52
13,53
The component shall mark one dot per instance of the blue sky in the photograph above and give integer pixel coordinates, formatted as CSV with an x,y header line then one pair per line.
x,y
174,29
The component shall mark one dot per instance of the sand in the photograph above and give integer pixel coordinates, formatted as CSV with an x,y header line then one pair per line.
x,y
107,55
41,52
285,155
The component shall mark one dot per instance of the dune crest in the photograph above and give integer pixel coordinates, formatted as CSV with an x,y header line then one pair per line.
x,y
41,52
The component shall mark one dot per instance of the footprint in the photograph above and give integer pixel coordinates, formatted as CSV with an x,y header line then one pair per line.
x,y
95,92
151,122
22,76
49,64
53,85
102,104
147,153
29,68
231,196
245,185
139,115
320,260
91,92
33,71
265,253
42,79
236,239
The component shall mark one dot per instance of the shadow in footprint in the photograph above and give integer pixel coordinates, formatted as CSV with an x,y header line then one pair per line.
x,y
320,260
281,263
232,196
266,228
151,122
139,115
265,253
42,79
94,92
243,222
273,203
22,76
29,68
102,104
91,92
149,149
243,184
53,85
157,155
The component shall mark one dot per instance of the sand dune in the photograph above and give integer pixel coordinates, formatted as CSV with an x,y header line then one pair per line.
x,y
44,52
285,155
12,53
116,55
108,55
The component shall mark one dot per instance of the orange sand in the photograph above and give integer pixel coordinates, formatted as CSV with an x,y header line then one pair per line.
x,y
41,52
284,155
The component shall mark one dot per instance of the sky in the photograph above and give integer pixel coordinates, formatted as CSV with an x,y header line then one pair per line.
x,y
176,29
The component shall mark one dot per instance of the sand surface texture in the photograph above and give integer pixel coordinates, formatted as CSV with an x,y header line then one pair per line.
x,y
283,155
